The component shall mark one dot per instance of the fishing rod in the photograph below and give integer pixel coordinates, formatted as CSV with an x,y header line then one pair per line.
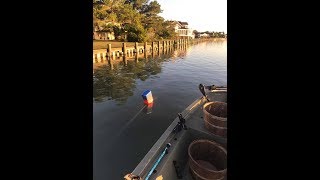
x,y
181,125
165,151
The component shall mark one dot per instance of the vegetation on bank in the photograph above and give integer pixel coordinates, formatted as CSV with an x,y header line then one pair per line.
x,y
132,20
210,34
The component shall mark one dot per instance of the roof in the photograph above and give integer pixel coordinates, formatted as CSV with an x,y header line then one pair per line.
x,y
183,23
179,22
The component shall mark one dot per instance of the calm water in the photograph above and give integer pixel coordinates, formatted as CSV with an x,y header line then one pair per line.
x,y
123,128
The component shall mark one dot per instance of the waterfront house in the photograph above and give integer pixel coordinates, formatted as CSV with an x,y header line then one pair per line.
x,y
182,29
100,33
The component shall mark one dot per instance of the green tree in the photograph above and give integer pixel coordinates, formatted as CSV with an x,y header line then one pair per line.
x,y
155,25
166,30
142,15
151,9
137,4
117,31
136,32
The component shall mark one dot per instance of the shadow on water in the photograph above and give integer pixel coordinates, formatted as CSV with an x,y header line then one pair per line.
x,y
116,79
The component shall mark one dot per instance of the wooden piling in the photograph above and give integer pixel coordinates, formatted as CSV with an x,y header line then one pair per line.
x,y
145,46
163,46
145,54
104,55
136,58
113,55
152,49
109,50
101,57
124,49
110,60
136,47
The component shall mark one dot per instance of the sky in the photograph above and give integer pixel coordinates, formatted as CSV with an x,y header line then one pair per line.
x,y
201,15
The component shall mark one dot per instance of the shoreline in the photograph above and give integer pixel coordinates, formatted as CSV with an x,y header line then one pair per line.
x,y
103,44
129,49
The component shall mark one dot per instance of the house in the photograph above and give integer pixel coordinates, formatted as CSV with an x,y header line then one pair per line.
x,y
204,35
103,34
183,30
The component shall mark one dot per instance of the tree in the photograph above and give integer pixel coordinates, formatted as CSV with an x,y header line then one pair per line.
x,y
166,30
142,15
136,32
126,14
151,9
137,4
103,8
155,25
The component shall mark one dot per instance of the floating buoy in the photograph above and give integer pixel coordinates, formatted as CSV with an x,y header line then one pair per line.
x,y
147,97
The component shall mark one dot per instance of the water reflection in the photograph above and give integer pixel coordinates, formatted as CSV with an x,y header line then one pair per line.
x,y
148,109
115,80
124,58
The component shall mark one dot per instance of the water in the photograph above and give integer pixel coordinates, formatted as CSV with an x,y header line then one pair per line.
x,y
123,128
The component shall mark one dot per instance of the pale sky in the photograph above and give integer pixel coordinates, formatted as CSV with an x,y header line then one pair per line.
x,y
201,15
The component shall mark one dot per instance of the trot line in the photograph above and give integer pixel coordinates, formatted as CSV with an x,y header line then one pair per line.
x,y
131,120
